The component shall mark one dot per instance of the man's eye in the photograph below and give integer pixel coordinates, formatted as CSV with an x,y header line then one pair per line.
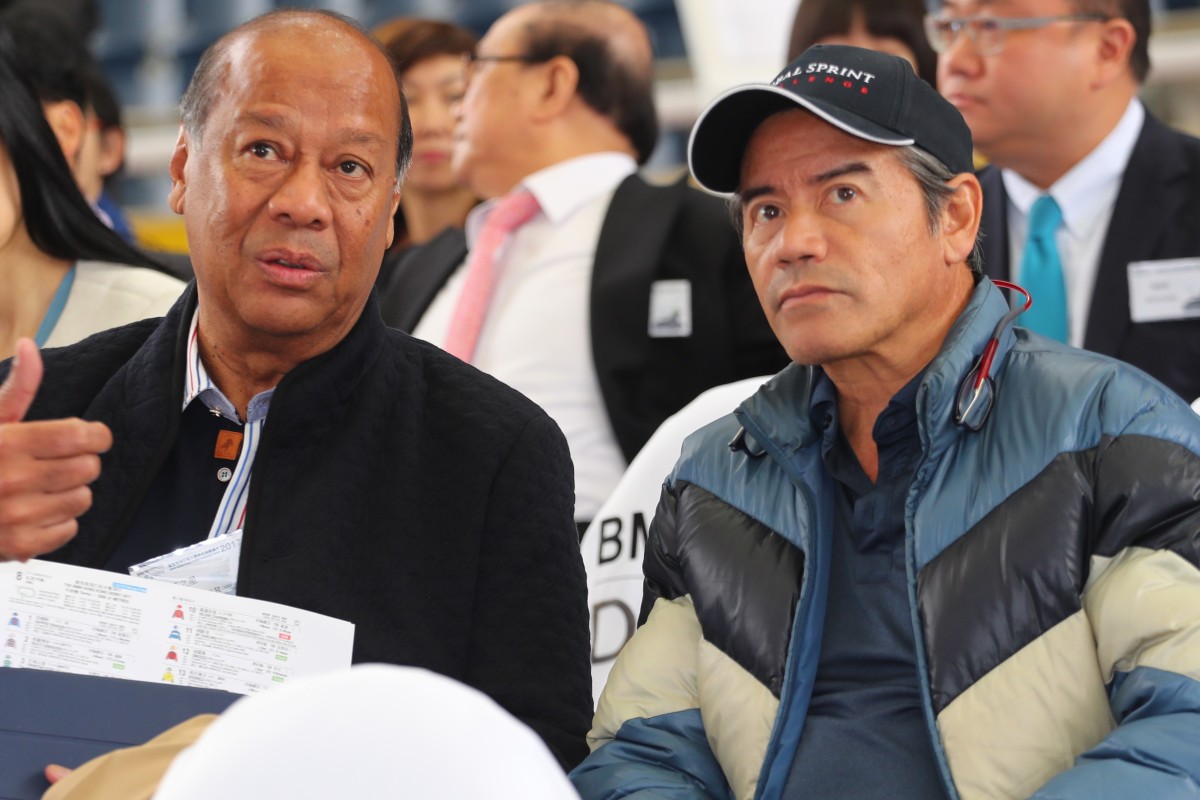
x,y
352,168
844,194
262,150
947,27
766,213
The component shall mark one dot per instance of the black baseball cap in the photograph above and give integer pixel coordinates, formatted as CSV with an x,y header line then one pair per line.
x,y
868,94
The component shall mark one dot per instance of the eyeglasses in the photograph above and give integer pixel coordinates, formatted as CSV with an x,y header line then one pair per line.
x,y
987,33
470,60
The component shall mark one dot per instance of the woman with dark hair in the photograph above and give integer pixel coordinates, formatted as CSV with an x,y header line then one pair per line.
x,y
889,26
65,275
430,60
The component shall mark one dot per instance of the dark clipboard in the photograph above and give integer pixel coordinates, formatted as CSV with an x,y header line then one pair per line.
x,y
57,717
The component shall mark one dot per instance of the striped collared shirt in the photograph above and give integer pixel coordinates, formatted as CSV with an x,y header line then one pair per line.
x,y
197,385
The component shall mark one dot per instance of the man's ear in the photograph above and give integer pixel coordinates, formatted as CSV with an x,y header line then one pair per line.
x,y
558,87
1113,50
960,218
177,169
391,234
67,121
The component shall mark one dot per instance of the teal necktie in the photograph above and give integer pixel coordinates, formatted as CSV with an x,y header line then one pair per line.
x,y
1042,273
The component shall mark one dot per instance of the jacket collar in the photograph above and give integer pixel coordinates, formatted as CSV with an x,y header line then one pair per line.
x,y
779,411
141,402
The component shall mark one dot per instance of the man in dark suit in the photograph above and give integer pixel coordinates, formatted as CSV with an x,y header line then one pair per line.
x,y
1051,99
617,302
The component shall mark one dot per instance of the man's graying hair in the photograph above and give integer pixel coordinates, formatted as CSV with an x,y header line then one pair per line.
x,y
610,82
214,66
933,179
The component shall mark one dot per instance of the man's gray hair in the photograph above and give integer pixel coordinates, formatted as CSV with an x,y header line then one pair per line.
x,y
933,177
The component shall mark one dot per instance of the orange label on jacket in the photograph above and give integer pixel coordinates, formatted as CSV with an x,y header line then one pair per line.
x,y
229,444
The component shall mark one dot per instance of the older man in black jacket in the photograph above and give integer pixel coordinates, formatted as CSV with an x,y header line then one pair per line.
x,y
374,478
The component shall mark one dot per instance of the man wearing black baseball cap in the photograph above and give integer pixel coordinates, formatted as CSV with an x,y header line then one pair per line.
x,y
862,92
917,562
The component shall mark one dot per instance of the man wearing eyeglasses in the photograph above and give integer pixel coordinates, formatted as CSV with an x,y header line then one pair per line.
x,y
610,302
1090,201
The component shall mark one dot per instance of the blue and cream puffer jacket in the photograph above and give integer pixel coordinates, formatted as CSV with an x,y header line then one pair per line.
x,y
1054,588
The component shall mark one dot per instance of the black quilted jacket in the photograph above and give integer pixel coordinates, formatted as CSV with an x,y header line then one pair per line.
x,y
394,487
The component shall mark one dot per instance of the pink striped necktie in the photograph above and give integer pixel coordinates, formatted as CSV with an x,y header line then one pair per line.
x,y
513,211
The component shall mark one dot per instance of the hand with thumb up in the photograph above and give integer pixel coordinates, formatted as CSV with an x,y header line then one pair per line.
x,y
45,466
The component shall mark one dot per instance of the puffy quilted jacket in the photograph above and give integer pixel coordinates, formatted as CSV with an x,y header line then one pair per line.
x,y
1053,586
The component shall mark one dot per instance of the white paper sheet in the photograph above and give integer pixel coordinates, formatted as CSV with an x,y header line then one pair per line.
x,y
91,622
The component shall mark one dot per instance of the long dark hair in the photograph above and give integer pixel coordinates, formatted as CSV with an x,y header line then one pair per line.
x,y
58,218
899,19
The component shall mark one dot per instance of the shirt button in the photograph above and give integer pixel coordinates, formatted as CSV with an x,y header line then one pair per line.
x,y
224,474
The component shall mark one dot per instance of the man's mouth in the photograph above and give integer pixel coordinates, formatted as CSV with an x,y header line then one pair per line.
x,y
291,259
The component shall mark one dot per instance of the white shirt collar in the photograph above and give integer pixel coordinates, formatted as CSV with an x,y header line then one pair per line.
x,y
1083,190
564,188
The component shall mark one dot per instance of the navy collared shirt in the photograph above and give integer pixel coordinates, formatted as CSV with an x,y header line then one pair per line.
x,y
865,734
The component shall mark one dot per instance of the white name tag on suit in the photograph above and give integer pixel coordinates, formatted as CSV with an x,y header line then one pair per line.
x,y
1164,290
670,309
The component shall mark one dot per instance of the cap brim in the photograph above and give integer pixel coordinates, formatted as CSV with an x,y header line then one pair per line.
x,y
724,128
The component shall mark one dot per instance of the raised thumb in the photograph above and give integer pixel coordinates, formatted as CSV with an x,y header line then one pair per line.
x,y
24,377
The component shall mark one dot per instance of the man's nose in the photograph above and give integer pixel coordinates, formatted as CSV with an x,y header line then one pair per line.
x,y
444,116
803,237
960,58
302,199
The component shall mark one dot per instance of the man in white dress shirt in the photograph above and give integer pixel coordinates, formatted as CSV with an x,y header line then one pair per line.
x,y
617,302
